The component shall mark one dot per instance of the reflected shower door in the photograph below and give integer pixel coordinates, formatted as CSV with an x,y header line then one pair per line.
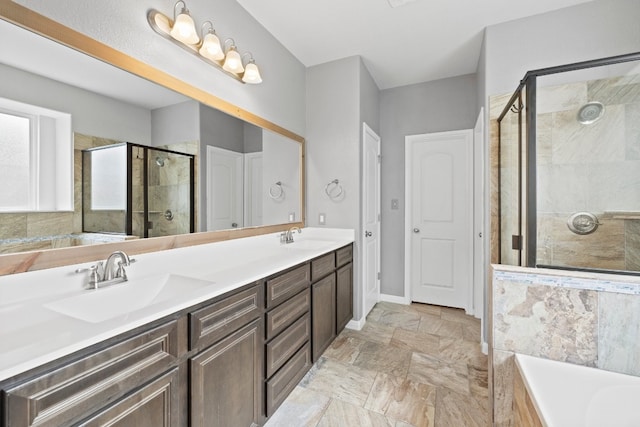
x,y
169,193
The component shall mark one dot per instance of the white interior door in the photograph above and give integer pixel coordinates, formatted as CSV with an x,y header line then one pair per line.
x,y
370,218
440,214
224,189
479,273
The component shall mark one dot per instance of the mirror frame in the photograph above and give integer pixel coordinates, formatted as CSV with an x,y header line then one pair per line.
x,y
49,258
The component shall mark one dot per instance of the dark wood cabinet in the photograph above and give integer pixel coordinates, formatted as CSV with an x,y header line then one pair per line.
x,y
153,405
323,314
226,380
74,391
229,361
344,296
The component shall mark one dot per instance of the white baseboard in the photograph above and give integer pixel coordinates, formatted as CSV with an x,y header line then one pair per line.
x,y
356,325
395,299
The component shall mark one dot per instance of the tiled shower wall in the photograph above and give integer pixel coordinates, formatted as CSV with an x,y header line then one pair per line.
x,y
593,168
586,319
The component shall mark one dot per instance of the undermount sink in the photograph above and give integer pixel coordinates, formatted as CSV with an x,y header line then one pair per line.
x,y
103,304
309,244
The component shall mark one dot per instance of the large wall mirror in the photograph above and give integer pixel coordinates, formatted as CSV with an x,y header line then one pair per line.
x,y
246,173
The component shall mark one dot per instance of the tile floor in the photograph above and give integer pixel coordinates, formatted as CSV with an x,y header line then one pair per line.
x,y
417,365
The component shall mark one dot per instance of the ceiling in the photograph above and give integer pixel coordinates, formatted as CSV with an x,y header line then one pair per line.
x,y
417,41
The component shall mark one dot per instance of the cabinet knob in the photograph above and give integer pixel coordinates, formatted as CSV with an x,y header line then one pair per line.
x,y
416,230
368,234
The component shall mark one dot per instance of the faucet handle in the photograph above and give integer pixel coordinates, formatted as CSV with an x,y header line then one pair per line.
x,y
95,273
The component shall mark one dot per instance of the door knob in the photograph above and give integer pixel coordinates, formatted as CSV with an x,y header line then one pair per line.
x,y
368,234
416,230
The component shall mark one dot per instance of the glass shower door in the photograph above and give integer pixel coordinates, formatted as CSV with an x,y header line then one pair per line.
x,y
511,158
169,193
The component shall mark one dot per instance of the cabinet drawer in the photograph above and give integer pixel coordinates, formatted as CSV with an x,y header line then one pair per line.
x,y
285,314
281,287
155,404
344,256
282,383
322,266
76,390
287,343
214,322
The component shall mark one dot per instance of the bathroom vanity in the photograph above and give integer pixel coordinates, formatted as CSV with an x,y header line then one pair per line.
x,y
225,335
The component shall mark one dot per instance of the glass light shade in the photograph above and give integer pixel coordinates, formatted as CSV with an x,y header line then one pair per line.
x,y
233,62
211,48
252,74
184,29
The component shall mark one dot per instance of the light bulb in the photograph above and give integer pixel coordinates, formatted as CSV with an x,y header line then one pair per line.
x,y
211,48
233,62
184,29
252,74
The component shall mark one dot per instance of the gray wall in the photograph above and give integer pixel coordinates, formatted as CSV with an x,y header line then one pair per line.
x,y
92,114
340,96
175,123
441,105
587,31
122,24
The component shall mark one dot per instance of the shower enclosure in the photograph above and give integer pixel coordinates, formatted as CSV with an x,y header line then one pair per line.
x,y
137,190
569,168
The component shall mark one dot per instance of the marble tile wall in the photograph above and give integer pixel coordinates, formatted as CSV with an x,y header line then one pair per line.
x,y
585,319
593,168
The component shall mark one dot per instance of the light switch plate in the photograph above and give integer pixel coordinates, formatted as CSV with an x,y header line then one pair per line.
x,y
292,216
322,219
395,204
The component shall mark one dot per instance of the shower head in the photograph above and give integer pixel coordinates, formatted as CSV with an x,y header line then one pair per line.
x,y
590,113
160,161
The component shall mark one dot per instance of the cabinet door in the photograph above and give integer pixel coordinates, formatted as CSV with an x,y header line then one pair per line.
x,y
154,405
226,380
344,296
323,312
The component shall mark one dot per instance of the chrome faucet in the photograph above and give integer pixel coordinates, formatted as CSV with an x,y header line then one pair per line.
x,y
287,236
108,273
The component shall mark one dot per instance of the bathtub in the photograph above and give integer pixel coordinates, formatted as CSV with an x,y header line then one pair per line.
x,y
567,395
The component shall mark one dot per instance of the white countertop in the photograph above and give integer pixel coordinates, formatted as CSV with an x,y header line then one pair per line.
x,y
568,395
33,331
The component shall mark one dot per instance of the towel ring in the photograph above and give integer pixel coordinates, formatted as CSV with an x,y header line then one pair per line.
x,y
331,187
276,191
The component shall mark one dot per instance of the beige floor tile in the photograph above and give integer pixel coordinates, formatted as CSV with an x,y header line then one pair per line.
x,y
343,414
373,331
458,350
410,366
409,321
457,410
431,370
303,408
377,357
340,380
403,400
344,348
422,309
441,327
416,341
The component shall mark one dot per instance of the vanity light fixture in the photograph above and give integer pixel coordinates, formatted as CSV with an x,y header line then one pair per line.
x,y
184,29
232,60
182,32
210,47
251,72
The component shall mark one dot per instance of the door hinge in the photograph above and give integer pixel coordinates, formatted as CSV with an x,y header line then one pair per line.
x,y
379,275
379,158
379,217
